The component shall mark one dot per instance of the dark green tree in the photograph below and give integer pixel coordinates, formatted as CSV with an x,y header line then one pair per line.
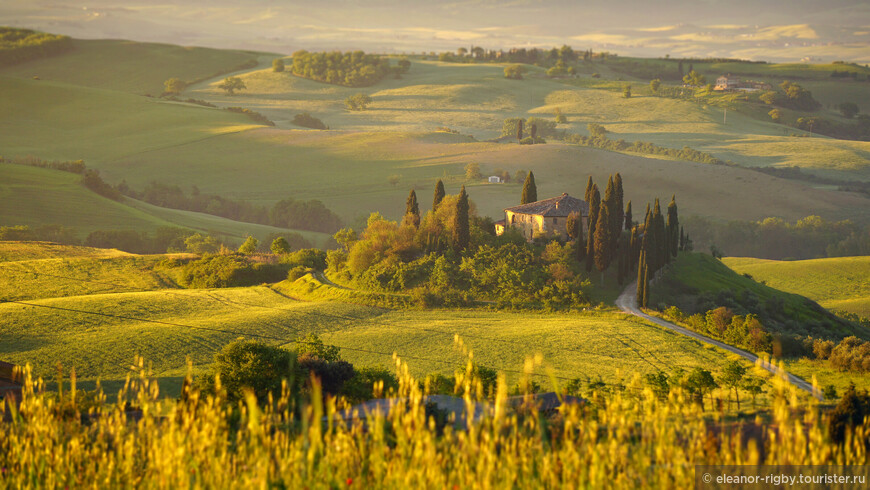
x,y
533,131
530,190
640,276
439,194
618,203
603,239
588,195
673,227
278,65
573,225
628,216
173,86
252,365
412,209
579,241
461,230
250,246
594,206
848,109
520,130
231,84
645,287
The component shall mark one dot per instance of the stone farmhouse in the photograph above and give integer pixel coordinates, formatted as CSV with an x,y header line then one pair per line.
x,y
729,83
547,217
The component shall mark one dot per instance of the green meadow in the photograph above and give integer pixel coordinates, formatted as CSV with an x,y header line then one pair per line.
x,y
841,283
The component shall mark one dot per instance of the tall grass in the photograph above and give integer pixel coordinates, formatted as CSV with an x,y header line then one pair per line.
x,y
631,439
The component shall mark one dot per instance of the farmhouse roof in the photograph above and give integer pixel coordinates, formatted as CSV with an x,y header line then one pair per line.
x,y
553,207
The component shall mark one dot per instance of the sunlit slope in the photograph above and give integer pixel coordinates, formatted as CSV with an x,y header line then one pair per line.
x,y
139,68
35,196
197,323
841,283
55,120
79,275
22,251
349,172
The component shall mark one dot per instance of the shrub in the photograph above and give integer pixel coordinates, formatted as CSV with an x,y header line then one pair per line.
x,y
222,271
297,272
306,120
252,365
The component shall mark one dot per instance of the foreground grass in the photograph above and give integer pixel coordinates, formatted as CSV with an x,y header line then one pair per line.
x,y
630,439
839,283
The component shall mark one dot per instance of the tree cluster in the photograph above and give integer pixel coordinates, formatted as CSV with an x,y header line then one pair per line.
x,y
791,96
20,45
306,120
598,139
659,243
351,69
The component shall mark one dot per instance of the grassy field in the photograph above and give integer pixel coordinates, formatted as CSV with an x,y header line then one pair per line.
x,y
168,326
24,251
77,276
841,283
128,66
35,196
827,375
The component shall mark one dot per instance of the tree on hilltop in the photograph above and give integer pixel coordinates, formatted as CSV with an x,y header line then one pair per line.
x,y
278,65
357,102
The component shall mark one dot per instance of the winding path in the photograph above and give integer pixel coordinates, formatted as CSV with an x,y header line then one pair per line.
x,y
627,302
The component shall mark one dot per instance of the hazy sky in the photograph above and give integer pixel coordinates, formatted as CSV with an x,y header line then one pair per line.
x,y
787,30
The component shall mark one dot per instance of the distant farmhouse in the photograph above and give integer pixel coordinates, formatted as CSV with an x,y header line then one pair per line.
x,y
730,83
494,179
543,217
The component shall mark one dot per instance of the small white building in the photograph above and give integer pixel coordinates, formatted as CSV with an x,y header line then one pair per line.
x,y
494,179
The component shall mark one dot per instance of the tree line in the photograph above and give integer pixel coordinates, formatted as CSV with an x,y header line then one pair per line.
x,y
90,178
310,215
351,69
20,45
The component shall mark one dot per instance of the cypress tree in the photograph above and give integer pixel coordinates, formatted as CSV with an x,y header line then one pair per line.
x,y
572,225
628,216
580,241
412,209
461,230
609,202
618,204
530,191
633,248
519,130
533,131
645,287
659,239
640,284
620,261
603,240
439,194
673,227
588,196
594,207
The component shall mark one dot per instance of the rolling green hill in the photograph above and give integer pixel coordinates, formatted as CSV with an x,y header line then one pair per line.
x,y
697,282
841,283
36,196
128,66
141,139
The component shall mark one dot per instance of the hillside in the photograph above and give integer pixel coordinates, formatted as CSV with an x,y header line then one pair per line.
x,y
101,119
697,283
841,283
36,196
